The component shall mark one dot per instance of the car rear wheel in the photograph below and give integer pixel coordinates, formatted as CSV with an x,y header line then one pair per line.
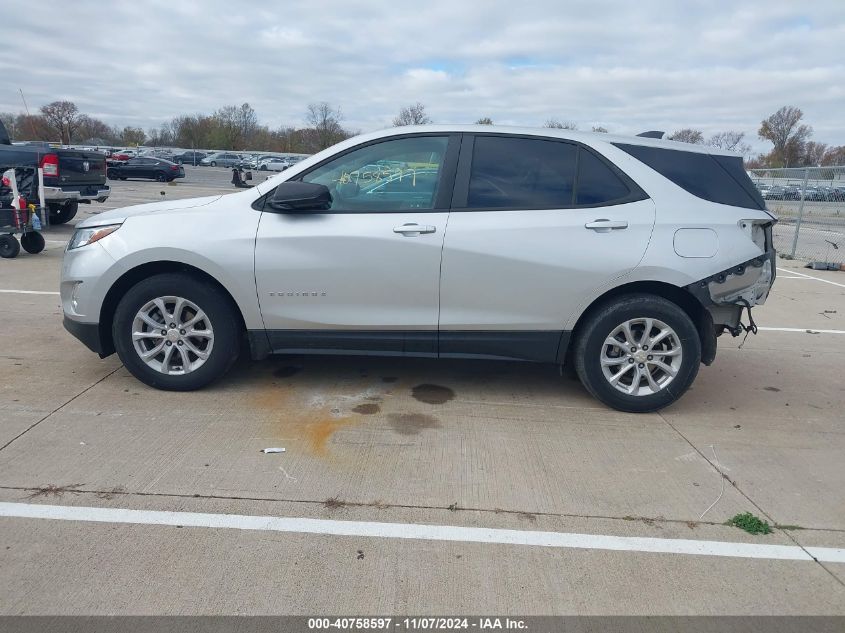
x,y
62,213
638,353
176,332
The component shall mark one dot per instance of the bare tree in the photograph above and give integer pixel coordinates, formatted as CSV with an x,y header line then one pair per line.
x,y
560,125
814,154
485,120
10,122
325,123
599,128
94,131
730,141
688,135
63,116
412,115
726,140
246,122
133,136
834,156
786,132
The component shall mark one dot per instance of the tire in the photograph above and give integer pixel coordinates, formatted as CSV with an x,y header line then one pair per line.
x,y
62,213
9,247
162,177
593,356
111,174
32,242
214,163
263,168
220,319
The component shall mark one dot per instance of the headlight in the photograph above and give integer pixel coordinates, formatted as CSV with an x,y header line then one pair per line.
x,y
83,237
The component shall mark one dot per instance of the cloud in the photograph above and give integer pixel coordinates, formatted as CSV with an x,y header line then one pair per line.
x,y
652,65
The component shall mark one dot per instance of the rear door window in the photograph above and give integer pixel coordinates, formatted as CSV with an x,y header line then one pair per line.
x,y
512,172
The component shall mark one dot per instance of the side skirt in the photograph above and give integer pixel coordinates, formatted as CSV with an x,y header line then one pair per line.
x,y
548,346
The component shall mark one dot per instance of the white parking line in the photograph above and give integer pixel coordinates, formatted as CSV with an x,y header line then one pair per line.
x,y
792,271
28,292
798,329
423,532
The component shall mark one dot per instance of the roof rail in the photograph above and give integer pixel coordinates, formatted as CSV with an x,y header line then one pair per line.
x,y
652,134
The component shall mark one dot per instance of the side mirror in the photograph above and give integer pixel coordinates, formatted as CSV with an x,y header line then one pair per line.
x,y
295,197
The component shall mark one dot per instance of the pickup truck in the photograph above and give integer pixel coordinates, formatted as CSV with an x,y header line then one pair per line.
x,y
70,176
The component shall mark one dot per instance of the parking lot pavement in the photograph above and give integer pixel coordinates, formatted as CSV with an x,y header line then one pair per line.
x,y
513,452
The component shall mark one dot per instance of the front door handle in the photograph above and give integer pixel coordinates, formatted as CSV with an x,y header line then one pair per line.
x,y
603,225
414,229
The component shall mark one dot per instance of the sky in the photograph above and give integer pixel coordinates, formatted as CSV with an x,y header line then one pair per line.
x,y
626,66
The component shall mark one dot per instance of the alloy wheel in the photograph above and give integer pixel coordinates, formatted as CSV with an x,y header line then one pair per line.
x,y
641,357
172,335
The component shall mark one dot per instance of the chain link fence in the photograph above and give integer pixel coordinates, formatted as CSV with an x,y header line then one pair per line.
x,y
810,205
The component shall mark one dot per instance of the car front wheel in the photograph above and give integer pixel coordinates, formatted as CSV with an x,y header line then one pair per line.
x,y
638,353
176,332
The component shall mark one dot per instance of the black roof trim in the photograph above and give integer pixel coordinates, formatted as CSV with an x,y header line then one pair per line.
x,y
652,134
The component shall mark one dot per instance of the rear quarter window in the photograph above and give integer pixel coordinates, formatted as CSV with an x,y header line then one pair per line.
x,y
719,179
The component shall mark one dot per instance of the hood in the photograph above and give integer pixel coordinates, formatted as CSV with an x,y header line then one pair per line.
x,y
119,215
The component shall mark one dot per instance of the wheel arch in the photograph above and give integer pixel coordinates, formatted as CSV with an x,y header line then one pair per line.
x,y
679,296
132,276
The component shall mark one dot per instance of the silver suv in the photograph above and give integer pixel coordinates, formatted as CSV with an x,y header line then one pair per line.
x,y
625,257
223,159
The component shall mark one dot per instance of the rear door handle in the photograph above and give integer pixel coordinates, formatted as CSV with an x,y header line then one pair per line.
x,y
414,229
603,225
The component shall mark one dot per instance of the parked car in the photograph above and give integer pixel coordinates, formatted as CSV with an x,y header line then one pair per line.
x,y
792,192
189,158
144,167
221,159
71,176
256,160
274,164
775,192
624,256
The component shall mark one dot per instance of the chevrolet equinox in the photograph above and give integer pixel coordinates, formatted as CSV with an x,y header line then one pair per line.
x,y
625,257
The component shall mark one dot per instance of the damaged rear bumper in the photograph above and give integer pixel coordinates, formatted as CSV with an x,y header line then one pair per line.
x,y
727,293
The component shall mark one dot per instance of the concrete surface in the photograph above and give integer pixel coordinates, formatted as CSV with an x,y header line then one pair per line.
x,y
479,444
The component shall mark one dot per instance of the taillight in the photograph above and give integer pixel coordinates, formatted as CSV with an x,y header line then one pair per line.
x,y
50,165
174,167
